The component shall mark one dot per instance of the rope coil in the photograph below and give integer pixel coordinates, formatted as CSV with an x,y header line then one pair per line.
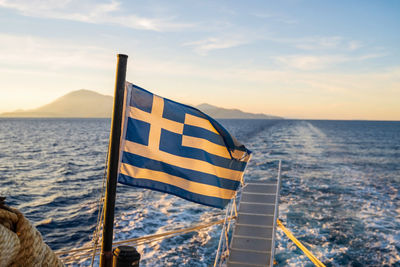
x,y
21,244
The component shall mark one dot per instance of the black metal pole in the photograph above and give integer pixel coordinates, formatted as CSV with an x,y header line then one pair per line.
x,y
106,255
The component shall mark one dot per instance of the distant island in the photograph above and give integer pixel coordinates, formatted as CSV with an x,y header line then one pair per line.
x,y
224,113
77,104
89,104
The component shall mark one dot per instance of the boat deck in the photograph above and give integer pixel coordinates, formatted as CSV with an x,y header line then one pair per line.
x,y
253,240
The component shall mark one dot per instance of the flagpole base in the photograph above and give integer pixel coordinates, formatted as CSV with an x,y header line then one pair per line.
x,y
126,256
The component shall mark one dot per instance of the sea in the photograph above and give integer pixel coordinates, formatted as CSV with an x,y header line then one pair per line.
x,y
340,192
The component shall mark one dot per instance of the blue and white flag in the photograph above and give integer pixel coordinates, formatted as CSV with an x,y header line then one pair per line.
x,y
177,149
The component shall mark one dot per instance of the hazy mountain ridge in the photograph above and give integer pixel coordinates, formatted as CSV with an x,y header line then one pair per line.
x,y
89,104
77,104
224,113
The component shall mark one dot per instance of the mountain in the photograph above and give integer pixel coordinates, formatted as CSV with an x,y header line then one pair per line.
x,y
77,104
89,104
224,113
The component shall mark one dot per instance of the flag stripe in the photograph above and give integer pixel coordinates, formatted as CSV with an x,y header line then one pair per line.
x,y
195,131
157,176
199,122
205,145
193,164
173,190
200,177
168,143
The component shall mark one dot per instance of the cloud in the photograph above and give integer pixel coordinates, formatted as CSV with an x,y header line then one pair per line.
x,y
276,17
89,11
213,43
354,45
309,62
49,54
314,43
317,62
319,43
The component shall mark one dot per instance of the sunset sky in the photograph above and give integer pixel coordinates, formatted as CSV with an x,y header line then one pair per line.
x,y
291,58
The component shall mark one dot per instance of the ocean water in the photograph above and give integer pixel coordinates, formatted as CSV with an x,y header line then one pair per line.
x,y
339,196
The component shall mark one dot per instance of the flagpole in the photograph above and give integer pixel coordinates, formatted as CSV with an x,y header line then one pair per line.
x,y
113,159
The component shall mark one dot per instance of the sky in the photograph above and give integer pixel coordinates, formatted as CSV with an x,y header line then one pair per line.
x,y
291,58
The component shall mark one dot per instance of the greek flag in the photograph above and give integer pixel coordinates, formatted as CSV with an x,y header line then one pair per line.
x,y
177,149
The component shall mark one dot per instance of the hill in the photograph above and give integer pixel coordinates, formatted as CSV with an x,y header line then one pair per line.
x,y
89,104
77,104
224,113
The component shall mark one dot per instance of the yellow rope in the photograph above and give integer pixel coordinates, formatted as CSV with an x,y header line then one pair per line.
x,y
314,259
